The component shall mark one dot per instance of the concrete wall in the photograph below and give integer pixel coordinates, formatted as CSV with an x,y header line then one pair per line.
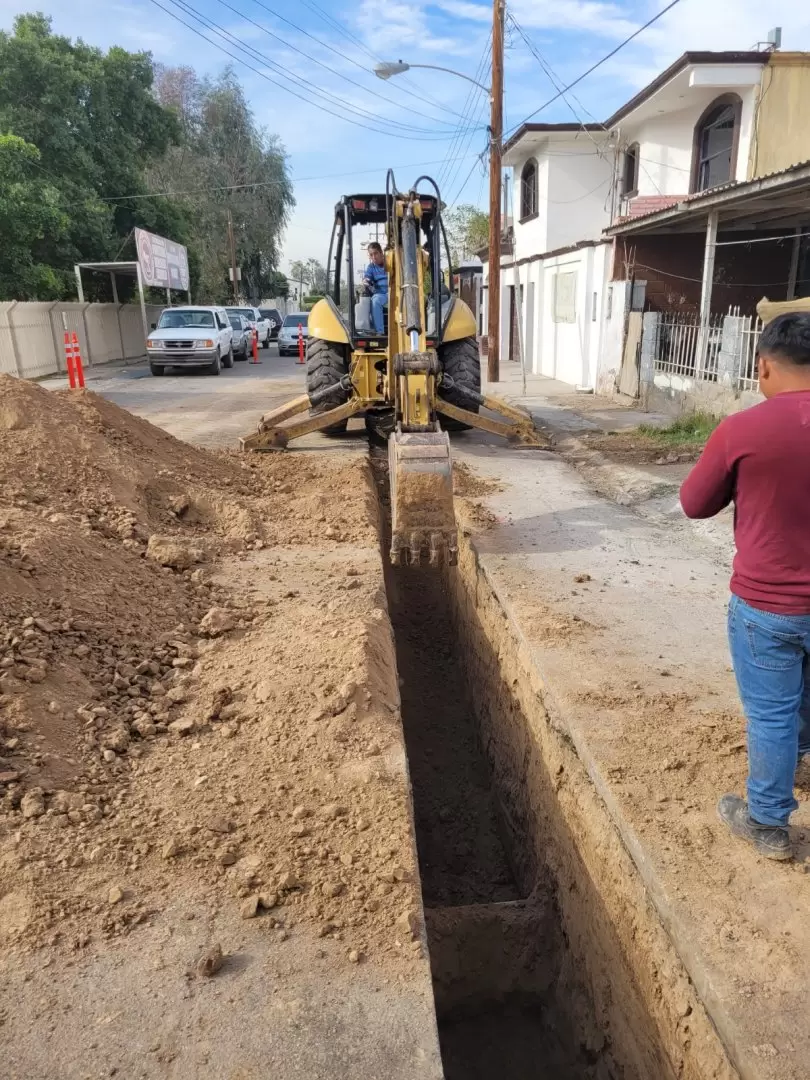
x,y
782,136
32,335
677,395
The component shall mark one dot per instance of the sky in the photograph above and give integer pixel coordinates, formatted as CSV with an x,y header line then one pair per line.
x,y
307,69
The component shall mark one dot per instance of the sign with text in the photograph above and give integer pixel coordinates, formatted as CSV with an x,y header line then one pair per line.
x,y
164,264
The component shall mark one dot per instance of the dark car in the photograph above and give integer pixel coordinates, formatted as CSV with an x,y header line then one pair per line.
x,y
273,316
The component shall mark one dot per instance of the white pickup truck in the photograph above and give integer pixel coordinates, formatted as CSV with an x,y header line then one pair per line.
x,y
259,323
191,337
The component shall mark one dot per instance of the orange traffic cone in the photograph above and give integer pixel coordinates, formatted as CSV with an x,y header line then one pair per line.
x,y
301,344
77,361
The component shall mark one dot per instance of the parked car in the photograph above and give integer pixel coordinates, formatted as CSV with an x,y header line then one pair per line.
x,y
288,334
256,320
274,317
191,337
242,336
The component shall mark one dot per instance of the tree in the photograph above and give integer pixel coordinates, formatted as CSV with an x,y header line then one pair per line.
x,y
95,124
467,231
225,162
32,219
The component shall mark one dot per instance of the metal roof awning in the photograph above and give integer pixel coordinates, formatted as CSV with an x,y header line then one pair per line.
x,y
781,200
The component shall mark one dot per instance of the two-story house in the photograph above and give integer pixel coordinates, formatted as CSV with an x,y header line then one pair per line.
x,y
601,206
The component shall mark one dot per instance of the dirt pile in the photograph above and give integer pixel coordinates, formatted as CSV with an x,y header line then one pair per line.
x,y
182,684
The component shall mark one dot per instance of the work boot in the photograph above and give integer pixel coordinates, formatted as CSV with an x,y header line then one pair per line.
x,y
772,841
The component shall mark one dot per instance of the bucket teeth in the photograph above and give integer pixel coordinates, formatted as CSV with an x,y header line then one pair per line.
x,y
423,525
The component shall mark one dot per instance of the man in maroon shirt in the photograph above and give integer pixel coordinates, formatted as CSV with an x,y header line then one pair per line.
x,y
760,460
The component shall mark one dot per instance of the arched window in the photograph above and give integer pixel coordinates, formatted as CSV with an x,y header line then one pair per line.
x,y
528,190
716,136
630,172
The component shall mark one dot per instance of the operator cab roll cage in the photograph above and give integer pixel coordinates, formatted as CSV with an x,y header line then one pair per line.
x,y
379,210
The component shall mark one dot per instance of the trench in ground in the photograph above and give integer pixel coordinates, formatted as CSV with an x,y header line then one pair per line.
x,y
531,979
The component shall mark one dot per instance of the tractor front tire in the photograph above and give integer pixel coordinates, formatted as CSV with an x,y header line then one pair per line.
x,y
327,363
462,362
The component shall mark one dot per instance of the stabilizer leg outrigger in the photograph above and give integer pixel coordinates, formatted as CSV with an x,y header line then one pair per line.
x,y
521,428
270,435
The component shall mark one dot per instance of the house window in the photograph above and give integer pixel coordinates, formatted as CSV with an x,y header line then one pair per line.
x,y
528,190
630,175
564,298
716,136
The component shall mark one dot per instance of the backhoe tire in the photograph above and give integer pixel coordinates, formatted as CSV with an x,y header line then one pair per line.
x,y
462,362
327,363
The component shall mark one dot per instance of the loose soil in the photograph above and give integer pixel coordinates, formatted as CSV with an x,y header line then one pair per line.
x,y
189,703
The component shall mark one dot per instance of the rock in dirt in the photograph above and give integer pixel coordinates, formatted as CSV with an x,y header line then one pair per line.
x,y
217,621
183,727
117,739
115,895
249,907
210,962
172,848
167,551
33,803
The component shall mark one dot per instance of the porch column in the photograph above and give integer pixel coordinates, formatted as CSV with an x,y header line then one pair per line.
x,y
794,263
706,292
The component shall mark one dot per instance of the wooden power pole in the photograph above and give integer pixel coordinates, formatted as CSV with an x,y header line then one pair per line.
x,y
495,138
232,246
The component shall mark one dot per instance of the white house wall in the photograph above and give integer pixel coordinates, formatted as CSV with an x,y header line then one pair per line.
x,y
579,195
666,142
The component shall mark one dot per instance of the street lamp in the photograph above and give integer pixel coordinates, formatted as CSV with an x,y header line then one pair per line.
x,y
388,68
385,70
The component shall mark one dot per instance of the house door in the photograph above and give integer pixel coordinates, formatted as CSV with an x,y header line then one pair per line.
x,y
628,380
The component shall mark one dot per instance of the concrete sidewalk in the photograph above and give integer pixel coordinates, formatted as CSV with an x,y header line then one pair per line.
x,y
622,626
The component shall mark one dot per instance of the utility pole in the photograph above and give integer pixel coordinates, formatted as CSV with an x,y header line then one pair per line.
x,y
234,273
495,138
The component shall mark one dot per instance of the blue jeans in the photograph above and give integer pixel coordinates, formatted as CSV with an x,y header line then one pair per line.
x,y
379,301
771,657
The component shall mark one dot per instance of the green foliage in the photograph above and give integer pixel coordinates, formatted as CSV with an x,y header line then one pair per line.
x,y
277,286
691,429
31,221
94,124
222,148
467,230
92,127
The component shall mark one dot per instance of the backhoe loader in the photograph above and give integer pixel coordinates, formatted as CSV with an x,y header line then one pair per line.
x,y
416,381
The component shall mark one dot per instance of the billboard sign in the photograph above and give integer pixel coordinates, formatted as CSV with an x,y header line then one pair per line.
x,y
164,264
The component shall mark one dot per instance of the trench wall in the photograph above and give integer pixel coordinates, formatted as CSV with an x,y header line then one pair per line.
x,y
640,1012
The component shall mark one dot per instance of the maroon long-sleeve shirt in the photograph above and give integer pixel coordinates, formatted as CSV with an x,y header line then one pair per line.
x,y
760,460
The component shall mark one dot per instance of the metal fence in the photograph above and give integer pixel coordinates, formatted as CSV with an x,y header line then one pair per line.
x,y
681,338
750,329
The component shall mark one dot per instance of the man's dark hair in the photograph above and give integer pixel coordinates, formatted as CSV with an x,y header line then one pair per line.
x,y
787,338
374,246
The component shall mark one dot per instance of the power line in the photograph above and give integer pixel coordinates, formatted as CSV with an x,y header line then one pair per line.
x,y
261,183
593,67
303,84
465,131
344,31
289,89
308,56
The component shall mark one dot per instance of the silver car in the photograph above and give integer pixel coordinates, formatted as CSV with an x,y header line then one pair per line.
x,y
242,336
191,337
288,334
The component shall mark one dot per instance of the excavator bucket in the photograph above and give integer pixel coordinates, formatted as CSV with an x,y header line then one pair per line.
x,y
423,524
